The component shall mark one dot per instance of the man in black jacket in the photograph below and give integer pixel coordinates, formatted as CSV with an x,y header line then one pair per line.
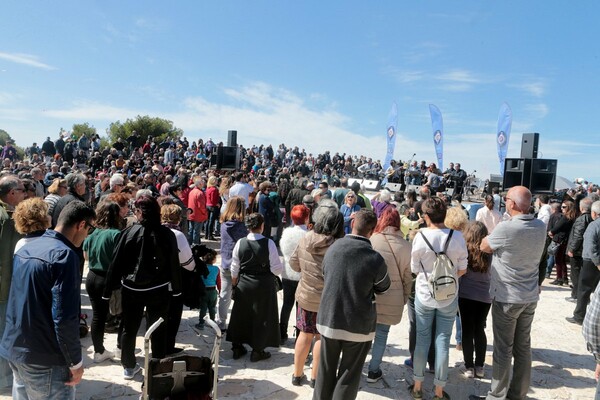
x,y
575,244
347,317
76,187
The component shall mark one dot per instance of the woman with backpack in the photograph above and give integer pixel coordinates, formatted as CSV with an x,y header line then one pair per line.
x,y
439,257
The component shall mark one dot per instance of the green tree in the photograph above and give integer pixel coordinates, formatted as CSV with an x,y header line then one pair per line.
x,y
145,126
83,129
4,137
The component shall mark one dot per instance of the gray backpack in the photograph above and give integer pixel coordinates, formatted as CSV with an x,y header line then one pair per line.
x,y
442,282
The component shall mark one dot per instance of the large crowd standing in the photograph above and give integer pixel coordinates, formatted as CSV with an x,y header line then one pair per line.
x,y
138,211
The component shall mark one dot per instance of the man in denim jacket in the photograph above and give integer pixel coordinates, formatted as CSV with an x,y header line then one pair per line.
x,y
41,338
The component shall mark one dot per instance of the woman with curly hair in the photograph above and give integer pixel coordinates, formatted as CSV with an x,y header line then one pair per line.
x,y
474,299
31,219
98,251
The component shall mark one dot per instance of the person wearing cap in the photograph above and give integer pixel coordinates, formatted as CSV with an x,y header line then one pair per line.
x,y
309,202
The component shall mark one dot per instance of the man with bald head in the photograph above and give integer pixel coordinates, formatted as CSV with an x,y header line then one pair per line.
x,y
516,245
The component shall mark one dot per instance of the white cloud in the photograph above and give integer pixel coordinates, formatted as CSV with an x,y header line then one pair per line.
x,y
538,111
91,111
153,24
25,59
403,76
14,114
6,98
459,76
535,88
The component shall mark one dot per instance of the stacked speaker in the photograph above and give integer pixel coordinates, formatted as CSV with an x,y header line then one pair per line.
x,y
227,157
539,175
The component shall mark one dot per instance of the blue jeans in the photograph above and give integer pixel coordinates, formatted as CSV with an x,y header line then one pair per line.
x,y
33,382
6,376
195,231
550,264
444,320
458,334
381,335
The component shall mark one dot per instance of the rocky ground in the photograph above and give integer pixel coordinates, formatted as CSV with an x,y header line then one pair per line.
x,y
562,367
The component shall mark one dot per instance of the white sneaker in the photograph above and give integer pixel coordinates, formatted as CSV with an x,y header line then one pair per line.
x,y
118,353
107,355
469,373
479,372
129,373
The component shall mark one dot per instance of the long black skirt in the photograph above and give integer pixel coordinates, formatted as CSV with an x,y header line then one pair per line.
x,y
255,317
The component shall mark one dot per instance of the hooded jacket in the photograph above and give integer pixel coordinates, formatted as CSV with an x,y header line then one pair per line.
x,y
396,253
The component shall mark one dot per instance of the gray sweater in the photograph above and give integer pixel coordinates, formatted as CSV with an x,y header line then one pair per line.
x,y
353,273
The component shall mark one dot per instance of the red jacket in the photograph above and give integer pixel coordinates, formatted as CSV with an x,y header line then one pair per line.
x,y
197,203
212,197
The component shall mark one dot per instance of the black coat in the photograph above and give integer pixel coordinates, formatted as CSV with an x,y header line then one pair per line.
x,y
575,244
145,257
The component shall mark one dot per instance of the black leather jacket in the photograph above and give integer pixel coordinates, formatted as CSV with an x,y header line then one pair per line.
x,y
145,258
575,244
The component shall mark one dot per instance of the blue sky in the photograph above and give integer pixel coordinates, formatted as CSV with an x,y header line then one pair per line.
x,y
320,75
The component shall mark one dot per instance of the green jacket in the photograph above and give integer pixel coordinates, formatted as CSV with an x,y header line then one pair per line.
x,y
8,239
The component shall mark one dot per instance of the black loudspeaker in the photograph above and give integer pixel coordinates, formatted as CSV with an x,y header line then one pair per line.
x,y
491,185
232,138
228,157
529,145
517,171
213,160
543,176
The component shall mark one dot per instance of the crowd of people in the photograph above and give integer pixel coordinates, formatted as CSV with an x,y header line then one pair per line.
x,y
349,262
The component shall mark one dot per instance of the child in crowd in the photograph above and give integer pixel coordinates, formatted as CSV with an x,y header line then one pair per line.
x,y
213,286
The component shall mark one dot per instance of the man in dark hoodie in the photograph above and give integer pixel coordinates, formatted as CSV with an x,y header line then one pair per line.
x,y
347,317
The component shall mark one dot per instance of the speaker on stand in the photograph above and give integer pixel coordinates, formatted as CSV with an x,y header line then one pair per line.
x,y
232,138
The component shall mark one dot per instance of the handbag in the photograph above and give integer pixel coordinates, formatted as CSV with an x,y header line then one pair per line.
x,y
278,283
553,248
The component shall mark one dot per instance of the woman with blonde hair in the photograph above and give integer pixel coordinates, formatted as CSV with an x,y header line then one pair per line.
x,y
232,230
213,206
31,219
348,210
170,216
57,190
456,218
